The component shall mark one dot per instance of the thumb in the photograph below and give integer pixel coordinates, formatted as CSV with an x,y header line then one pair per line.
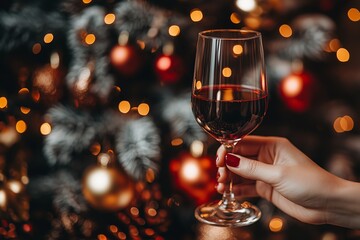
x,y
252,169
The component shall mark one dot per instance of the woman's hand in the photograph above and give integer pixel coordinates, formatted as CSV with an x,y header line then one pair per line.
x,y
285,176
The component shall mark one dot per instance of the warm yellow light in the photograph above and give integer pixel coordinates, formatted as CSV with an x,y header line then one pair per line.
x,y
198,85
24,91
45,128
24,110
113,228
124,106
234,18
109,18
3,102
237,49
152,212
252,22
246,5
343,55
197,148
134,211
143,109
174,30
337,127
14,186
25,179
2,199
36,49
354,14
48,38
102,237
55,60
292,86
346,123
226,72
90,39
95,149
20,126
99,181
196,15
334,44
285,30
176,142
276,224
190,170
87,1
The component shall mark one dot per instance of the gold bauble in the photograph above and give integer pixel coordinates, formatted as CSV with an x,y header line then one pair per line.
x,y
106,188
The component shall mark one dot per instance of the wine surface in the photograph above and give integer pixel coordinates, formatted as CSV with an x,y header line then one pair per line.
x,y
229,112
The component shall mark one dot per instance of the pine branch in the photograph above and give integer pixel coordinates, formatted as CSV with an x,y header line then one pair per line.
x,y
138,147
27,27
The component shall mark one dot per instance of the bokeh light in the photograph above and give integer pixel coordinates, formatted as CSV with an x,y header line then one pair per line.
x,y
20,126
285,31
196,15
48,38
98,181
90,39
45,128
190,170
143,109
124,106
163,63
354,14
109,18
276,224
234,18
237,49
292,86
3,102
246,5
343,55
226,72
36,49
174,30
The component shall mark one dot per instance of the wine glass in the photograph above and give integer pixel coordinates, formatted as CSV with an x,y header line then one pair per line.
x,y
229,100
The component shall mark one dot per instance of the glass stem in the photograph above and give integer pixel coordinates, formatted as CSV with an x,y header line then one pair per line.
x,y
228,203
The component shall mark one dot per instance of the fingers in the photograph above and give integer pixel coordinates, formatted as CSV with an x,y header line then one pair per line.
x,y
252,169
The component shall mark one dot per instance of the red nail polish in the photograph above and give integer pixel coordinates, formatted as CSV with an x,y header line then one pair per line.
x,y
232,160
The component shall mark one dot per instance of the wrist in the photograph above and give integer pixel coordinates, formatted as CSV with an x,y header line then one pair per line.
x,y
343,204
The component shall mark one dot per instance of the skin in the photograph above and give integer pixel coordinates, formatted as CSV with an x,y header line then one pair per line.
x,y
274,169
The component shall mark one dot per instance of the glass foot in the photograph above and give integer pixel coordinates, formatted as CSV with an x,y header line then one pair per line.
x,y
212,214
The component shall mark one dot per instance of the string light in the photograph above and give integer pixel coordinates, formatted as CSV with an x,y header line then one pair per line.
x,y
20,126
343,55
98,181
3,102
36,49
90,39
234,18
2,199
196,15
353,14
190,170
343,124
246,5
237,49
48,38
45,129
197,148
226,72
292,86
334,44
124,106
109,18
163,63
174,30
176,142
143,109
285,31
87,1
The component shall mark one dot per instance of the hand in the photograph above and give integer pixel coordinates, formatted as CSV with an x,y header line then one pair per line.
x,y
290,180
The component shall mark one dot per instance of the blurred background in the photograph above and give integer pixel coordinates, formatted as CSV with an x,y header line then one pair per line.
x,y
97,137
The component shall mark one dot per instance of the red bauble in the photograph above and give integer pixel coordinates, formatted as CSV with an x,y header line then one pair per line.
x,y
169,68
297,91
194,176
126,59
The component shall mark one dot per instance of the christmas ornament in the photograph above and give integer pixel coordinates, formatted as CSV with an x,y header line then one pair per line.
x,y
126,59
194,176
169,68
106,188
48,82
297,91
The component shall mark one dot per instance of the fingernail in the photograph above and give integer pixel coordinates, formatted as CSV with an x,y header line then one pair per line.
x,y
232,160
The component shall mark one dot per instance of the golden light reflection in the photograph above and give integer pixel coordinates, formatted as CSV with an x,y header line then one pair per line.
x,y
237,49
285,31
48,38
20,126
198,85
343,55
353,14
109,18
276,224
226,72
86,1
196,15
45,128
90,38
143,109
3,102
234,18
174,30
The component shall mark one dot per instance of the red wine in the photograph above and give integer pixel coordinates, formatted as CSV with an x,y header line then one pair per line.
x,y
229,112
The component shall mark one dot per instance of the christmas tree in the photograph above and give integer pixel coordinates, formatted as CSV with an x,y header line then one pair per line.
x,y
97,136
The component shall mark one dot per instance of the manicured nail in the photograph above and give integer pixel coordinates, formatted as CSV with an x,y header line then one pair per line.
x,y
232,160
